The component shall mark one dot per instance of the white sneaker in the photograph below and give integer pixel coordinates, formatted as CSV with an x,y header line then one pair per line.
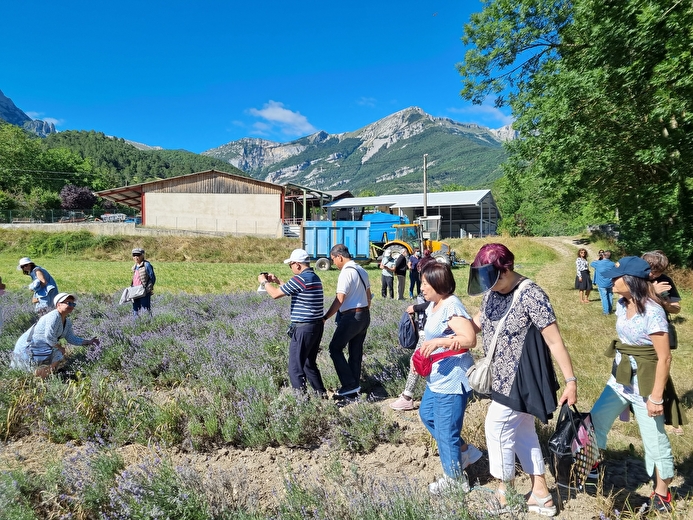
x,y
470,456
445,484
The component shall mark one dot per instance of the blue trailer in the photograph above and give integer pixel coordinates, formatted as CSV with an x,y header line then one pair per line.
x,y
318,237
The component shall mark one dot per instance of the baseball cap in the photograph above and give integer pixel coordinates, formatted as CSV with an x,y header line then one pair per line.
x,y
61,297
138,251
630,265
298,255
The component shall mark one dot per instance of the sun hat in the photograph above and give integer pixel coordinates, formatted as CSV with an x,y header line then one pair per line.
x,y
630,265
298,255
138,251
24,261
61,297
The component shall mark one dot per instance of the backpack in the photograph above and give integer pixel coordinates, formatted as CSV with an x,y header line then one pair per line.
x,y
408,331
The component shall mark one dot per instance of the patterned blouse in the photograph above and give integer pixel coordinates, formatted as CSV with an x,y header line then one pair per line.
x,y
532,308
581,265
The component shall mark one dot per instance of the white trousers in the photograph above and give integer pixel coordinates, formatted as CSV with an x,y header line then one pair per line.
x,y
510,433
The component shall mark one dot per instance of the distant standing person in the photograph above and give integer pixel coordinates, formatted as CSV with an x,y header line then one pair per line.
x,y
42,283
604,284
414,277
307,325
142,274
352,307
401,273
583,281
387,277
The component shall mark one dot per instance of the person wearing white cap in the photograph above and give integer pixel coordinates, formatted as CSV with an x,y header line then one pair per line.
x,y
142,274
38,349
42,283
387,278
307,325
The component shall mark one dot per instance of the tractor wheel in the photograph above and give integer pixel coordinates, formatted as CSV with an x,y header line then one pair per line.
x,y
323,264
441,258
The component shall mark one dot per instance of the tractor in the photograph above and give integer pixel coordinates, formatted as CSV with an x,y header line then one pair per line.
x,y
424,234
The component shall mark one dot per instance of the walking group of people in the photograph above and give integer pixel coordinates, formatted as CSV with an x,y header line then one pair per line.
x,y
520,332
39,349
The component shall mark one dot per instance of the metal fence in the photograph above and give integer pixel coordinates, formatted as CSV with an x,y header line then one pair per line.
x,y
50,216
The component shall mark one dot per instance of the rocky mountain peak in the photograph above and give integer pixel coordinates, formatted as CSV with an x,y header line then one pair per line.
x,y
13,115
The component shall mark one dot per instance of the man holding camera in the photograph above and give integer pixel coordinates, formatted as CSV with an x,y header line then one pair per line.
x,y
307,325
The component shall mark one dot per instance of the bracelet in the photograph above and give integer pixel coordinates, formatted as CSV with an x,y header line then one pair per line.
x,y
570,380
649,398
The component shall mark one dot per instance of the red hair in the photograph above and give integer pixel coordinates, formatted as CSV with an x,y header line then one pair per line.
x,y
497,255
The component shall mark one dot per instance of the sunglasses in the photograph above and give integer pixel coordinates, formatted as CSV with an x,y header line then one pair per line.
x,y
70,304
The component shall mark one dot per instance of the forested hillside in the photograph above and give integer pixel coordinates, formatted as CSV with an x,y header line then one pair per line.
x,y
33,171
121,163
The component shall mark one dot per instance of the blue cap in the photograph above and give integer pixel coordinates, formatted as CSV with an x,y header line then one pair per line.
x,y
630,265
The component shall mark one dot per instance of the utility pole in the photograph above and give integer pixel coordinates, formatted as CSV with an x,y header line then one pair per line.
x,y
425,197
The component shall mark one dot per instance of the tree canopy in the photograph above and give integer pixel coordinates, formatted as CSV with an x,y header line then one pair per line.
x,y
601,92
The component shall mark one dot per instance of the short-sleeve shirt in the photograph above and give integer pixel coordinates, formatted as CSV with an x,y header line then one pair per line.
x,y
307,299
352,283
532,308
636,331
448,375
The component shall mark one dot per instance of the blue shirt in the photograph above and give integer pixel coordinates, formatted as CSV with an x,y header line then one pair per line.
x,y
307,298
602,266
449,375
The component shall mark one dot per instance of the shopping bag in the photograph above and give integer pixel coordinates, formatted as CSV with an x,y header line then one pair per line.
x,y
573,448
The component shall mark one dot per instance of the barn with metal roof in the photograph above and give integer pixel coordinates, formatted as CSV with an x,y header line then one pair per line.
x,y
209,201
463,213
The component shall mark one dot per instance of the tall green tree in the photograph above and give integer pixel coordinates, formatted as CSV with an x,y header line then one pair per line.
x,y
602,94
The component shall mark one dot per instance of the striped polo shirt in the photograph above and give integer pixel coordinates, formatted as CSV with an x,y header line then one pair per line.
x,y
307,298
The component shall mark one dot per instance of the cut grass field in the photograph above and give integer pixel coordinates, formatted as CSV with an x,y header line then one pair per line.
x,y
230,266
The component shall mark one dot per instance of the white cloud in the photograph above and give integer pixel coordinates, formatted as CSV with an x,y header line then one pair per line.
x,y
366,101
485,114
277,118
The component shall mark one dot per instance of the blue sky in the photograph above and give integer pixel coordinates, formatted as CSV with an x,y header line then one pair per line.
x,y
196,75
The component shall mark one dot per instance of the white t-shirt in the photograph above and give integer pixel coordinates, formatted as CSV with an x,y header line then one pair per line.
x,y
353,286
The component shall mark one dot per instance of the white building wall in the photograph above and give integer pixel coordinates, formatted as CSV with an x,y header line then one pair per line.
x,y
242,214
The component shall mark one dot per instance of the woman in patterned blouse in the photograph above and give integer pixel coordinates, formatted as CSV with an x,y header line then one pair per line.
x,y
583,282
524,383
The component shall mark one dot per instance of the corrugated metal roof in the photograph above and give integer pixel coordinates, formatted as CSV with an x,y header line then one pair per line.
x,y
415,200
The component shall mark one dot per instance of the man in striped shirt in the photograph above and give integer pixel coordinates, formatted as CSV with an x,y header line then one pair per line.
x,y
307,325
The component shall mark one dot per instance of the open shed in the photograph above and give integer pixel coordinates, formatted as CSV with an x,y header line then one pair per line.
x,y
211,201
463,213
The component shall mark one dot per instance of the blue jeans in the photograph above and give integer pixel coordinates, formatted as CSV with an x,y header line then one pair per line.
x,y
351,330
607,296
442,415
654,438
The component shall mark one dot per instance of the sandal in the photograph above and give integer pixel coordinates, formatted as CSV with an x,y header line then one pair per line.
x,y
540,507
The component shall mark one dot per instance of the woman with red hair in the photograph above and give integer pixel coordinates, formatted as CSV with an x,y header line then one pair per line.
x,y
523,379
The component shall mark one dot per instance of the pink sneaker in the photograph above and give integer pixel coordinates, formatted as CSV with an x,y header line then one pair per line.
x,y
402,404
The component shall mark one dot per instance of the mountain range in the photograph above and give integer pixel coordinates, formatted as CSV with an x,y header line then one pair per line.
x,y
382,157
386,156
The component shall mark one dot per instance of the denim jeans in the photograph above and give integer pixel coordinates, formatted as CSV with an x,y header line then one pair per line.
x,y
607,296
442,415
351,330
